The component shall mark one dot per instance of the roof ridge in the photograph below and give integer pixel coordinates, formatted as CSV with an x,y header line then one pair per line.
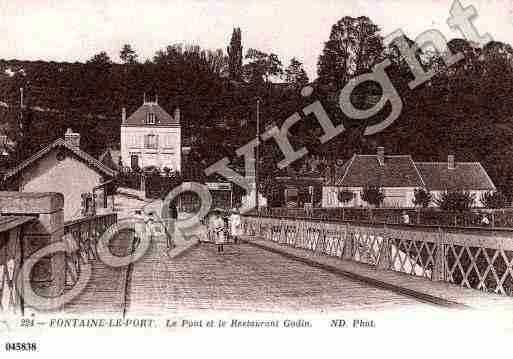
x,y
60,142
487,176
418,173
347,169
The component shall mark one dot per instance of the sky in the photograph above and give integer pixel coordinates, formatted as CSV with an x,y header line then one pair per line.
x,y
74,30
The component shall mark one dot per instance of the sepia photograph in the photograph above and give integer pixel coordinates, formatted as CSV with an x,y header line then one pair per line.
x,y
247,178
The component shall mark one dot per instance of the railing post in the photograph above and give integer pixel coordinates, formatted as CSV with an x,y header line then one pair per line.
x,y
348,244
49,228
439,259
384,251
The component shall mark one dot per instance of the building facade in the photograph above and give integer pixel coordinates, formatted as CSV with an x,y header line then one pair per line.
x,y
151,137
63,167
398,176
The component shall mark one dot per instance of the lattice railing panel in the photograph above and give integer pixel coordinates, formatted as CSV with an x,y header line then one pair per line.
x,y
366,247
485,269
10,266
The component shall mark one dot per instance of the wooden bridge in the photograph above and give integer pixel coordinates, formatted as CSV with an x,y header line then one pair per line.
x,y
283,264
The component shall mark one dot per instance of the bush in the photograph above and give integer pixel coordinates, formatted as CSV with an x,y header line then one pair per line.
x,y
494,200
345,196
456,201
422,197
373,195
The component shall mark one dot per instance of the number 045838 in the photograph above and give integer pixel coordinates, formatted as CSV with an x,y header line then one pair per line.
x,y
20,347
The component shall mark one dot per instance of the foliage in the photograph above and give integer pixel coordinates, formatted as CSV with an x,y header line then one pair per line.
x,y
422,197
295,74
261,66
456,201
101,59
235,55
353,47
345,196
273,191
494,200
128,55
373,195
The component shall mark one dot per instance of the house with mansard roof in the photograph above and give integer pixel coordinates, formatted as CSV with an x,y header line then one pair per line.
x,y
151,137
398,176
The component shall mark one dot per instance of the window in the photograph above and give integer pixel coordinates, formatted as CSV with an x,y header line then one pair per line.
x,y
151,141
151,119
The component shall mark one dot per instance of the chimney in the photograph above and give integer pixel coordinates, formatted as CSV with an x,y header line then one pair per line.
x,y
381,156
72,138
177,114
450,162
123,115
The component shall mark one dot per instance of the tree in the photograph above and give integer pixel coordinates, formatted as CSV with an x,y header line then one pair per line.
x,y
373,195
101,59
235,55
456,200
494,200
262,66
422,197
295,74
345,196
273,191
354,46
128,55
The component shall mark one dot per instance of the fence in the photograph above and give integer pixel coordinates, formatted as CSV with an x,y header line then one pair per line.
x,y
11,262
82,235
498,218
470,257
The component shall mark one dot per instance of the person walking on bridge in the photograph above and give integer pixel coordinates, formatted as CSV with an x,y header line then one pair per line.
x,y
219,231
235,225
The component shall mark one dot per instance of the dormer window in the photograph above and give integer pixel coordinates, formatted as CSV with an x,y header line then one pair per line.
x,y
151,119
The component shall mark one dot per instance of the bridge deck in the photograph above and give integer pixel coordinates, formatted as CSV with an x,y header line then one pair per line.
x,y
246,278
259,277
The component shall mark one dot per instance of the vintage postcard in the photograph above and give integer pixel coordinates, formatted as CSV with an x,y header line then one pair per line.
x,y
256,178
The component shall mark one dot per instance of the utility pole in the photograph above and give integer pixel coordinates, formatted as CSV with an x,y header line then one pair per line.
x,y
257,154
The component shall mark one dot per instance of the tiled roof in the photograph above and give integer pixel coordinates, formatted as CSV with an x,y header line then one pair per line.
x,y
84,156
110,158
162,118
365,170
464,176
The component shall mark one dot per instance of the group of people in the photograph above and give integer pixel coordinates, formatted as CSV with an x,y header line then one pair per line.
x,y
221,230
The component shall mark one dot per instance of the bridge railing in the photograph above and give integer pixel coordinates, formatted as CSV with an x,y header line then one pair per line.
x,y
11,262
82,236
475,258
502,218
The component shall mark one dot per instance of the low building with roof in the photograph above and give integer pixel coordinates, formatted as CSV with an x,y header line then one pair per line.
x,y
440,177
64,168
151,137
396,175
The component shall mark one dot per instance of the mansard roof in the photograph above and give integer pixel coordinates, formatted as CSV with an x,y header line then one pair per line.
x,y
162,118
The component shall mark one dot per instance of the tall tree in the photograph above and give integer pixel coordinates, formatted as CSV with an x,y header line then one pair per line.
x,y
295,74
101,58
128,54
354,46
261,66
235,55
